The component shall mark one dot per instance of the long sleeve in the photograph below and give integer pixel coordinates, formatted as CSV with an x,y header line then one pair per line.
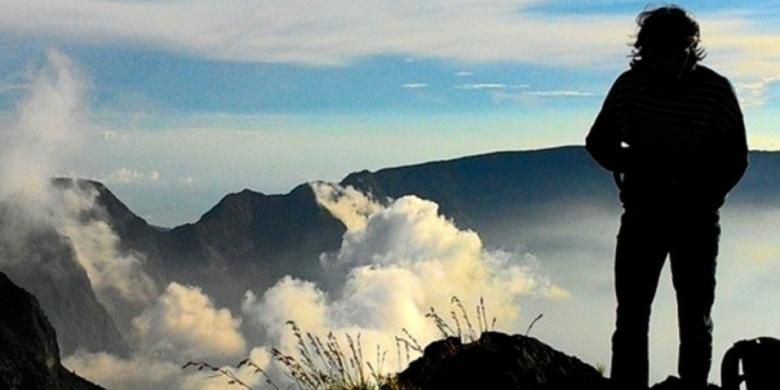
x,y
734,149
602,141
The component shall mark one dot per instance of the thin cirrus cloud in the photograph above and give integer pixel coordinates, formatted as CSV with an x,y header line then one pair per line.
x,y
559,93
530,96
336,34
323,33
481,86
329,33
414,85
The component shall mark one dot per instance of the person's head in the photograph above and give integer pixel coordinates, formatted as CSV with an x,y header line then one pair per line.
x,y
667,42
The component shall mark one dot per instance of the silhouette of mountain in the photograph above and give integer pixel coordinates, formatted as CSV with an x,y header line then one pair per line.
x,y
488,191
29,355
250,240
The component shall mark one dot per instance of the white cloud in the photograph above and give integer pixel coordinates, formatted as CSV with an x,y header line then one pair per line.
x,y
481,86
184,322
401,260
113,372
414,85
49,128
288,300
349,205
327,34
127,176
559,93
337,33
109,135
150,372
533,97
464,73
753,94
113,275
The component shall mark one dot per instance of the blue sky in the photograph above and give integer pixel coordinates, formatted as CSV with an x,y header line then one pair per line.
x,y
194,99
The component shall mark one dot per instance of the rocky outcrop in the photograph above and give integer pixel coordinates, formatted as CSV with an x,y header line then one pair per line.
x,y
29,355
498,361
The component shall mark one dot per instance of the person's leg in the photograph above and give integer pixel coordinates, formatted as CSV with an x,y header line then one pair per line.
x,y
641,251
693,259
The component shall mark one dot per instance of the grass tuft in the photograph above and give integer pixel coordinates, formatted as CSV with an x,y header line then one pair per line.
x,y
323,364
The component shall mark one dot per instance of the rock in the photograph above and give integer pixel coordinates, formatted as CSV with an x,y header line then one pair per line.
x,y
674,383
29,355
498,361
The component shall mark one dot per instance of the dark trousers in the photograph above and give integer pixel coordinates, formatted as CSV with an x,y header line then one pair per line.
x,y
645,239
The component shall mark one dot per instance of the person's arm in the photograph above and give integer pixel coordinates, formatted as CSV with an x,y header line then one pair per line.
x,y
734,149
602,141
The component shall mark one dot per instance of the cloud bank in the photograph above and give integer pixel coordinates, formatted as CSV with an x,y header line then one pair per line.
x,y
183,322
401,260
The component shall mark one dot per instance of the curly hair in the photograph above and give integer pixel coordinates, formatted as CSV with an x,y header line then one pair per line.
x,y
668,26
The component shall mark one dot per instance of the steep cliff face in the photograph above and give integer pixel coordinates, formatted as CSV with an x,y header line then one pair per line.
x,y
29,355
43,262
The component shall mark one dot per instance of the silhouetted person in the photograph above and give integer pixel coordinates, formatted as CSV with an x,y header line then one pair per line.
x,y
672,133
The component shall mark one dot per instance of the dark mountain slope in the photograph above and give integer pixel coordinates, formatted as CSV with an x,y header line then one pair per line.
x,y
29,356
490,191
498,192
250,240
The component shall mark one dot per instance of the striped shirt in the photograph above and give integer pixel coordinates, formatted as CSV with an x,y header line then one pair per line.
x,y
676,143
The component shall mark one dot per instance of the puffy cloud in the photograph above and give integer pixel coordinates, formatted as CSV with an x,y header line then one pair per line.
x,y
274,310
119,373
184,322
349,205
182,325
48,127
401,260
114,275
146,371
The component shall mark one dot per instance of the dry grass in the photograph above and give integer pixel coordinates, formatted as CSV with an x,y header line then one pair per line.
x,y
323,364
